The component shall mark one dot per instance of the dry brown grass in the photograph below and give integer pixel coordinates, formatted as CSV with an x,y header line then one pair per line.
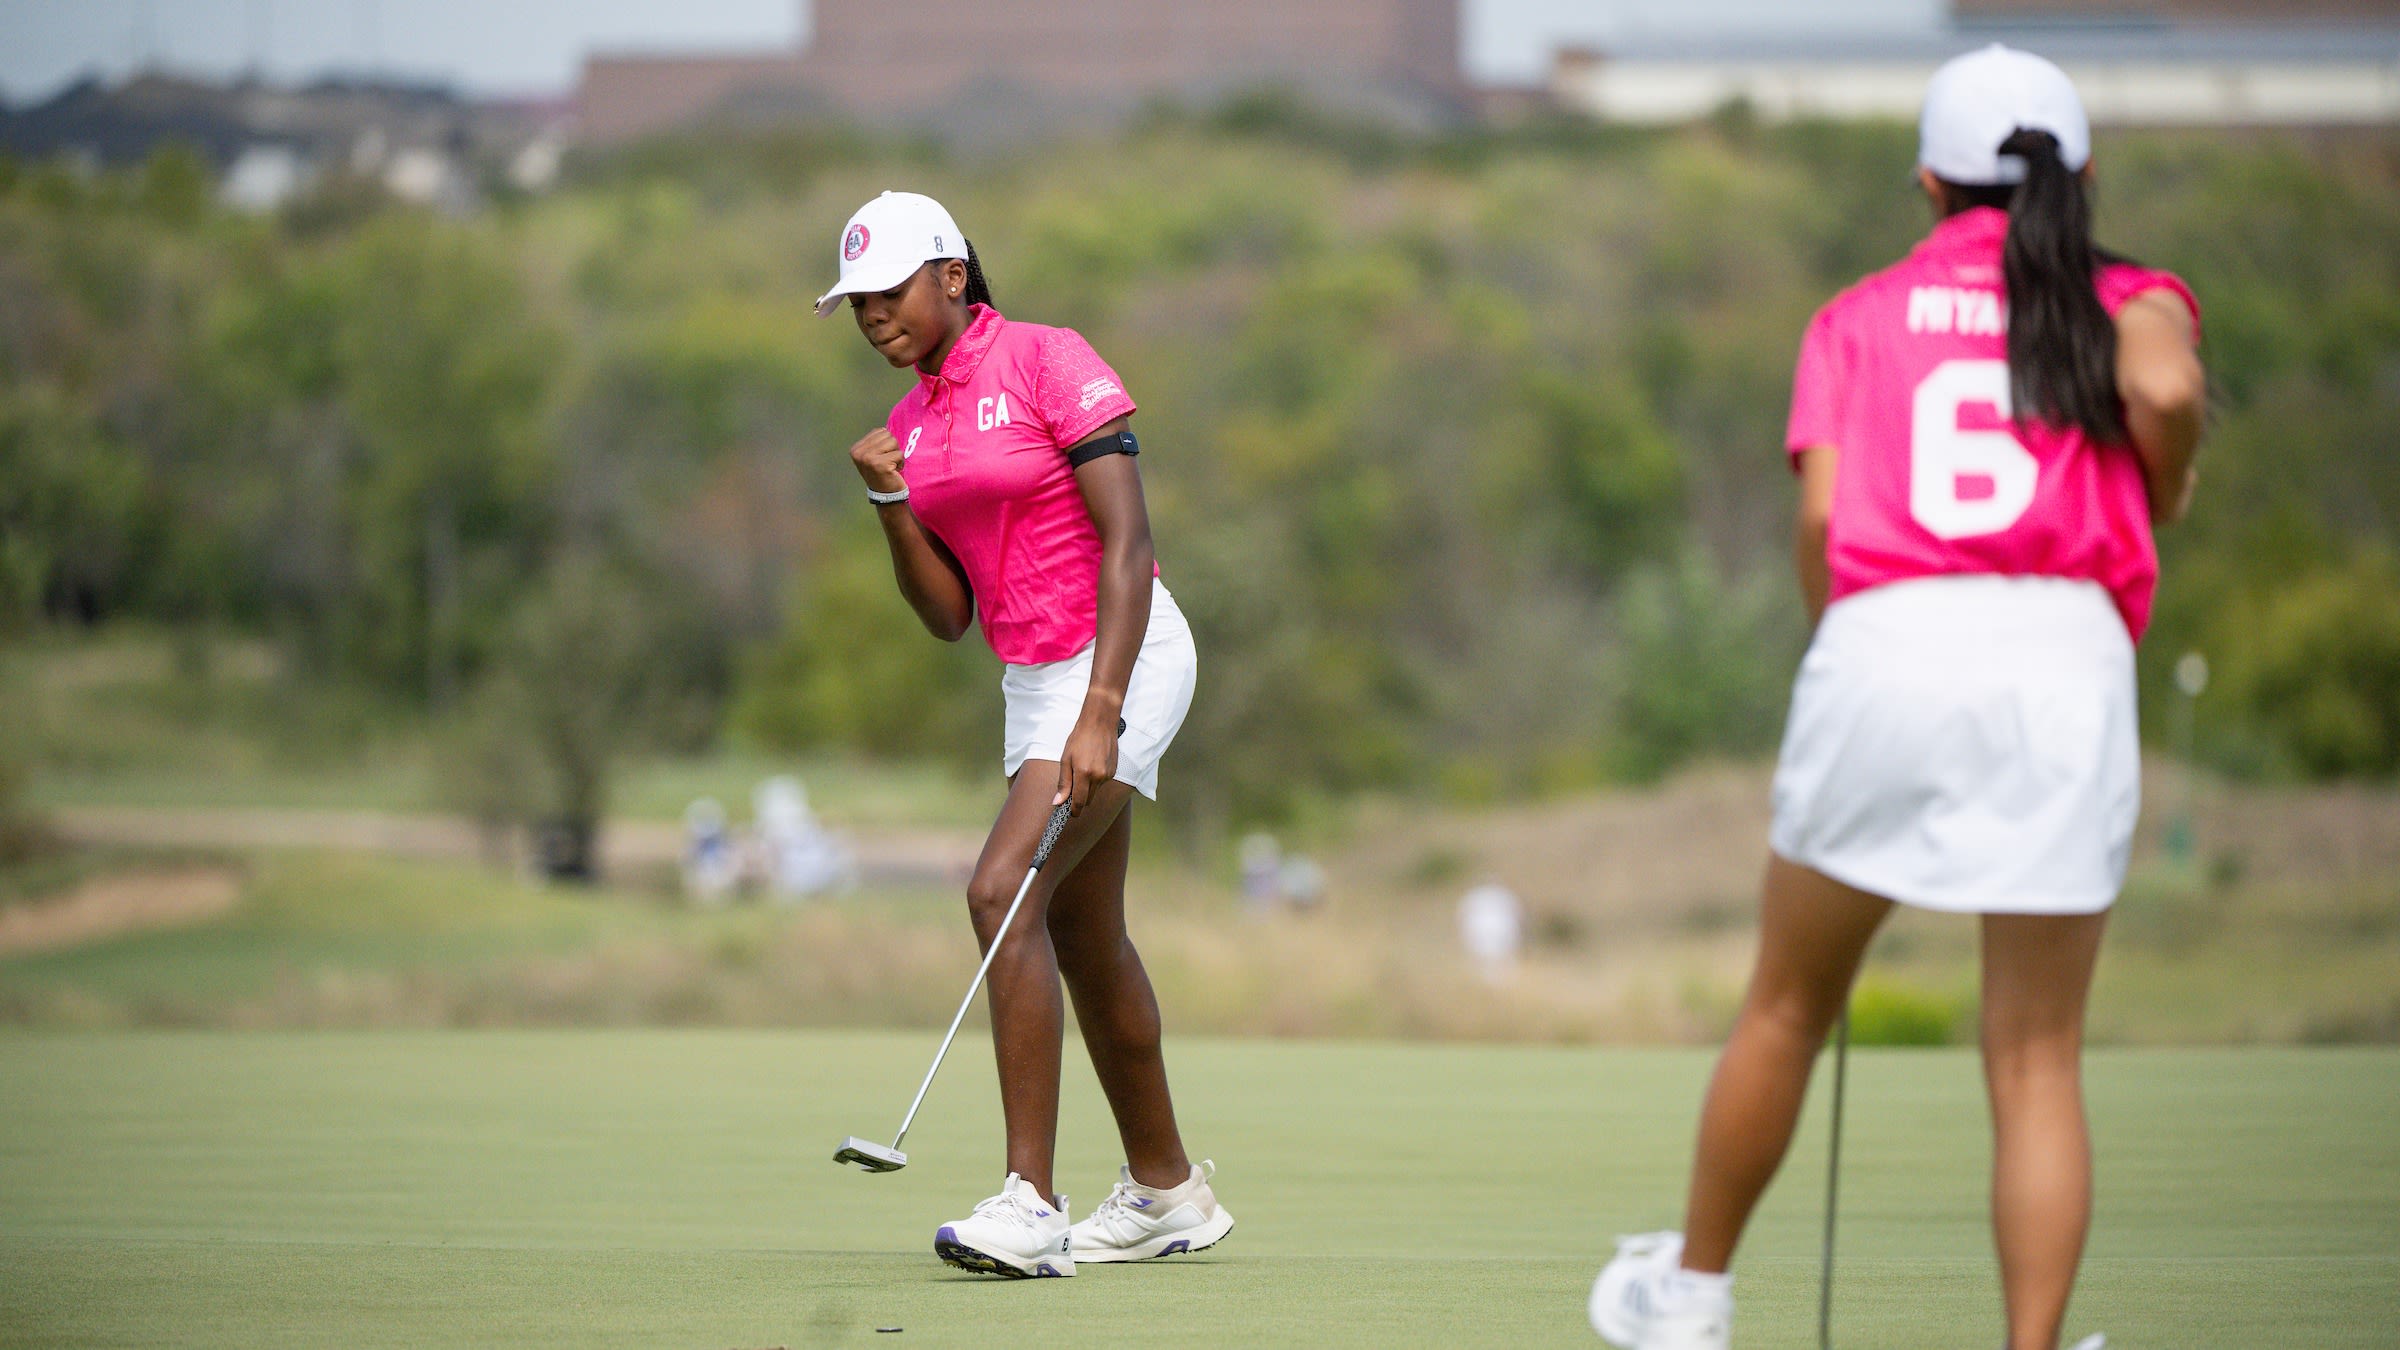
x,y
115,904
2285,927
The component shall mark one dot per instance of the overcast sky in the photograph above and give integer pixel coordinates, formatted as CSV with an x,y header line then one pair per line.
x,y
534,46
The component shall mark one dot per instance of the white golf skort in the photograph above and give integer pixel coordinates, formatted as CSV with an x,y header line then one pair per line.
x,y
1966,743
1044,700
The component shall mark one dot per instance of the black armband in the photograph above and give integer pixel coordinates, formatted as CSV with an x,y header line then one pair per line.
x,y
1114,443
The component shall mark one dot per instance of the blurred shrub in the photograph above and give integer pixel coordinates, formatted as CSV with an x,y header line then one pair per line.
x,y
1708,664
1887,1011
2317,670
21,830
853,669
75,517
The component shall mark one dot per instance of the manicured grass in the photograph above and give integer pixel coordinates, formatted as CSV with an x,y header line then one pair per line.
x,y
672,1188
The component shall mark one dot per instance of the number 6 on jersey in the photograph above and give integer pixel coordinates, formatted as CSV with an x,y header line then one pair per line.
x,y
1947,462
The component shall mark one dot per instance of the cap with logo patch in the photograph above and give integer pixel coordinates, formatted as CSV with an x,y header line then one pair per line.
x,y
890,238
1978,100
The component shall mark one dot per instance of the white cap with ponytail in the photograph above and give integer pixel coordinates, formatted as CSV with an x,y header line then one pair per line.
x,y
1978,100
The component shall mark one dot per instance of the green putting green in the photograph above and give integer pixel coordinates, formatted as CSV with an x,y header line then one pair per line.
x,y
674,1188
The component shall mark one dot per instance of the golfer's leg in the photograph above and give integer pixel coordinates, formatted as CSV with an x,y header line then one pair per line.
x,y
1115,1005
2037,975
1812,932
1027,1014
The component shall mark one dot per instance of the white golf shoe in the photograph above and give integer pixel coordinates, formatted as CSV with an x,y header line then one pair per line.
x,y
1644,1300
1016,1234
1137,1222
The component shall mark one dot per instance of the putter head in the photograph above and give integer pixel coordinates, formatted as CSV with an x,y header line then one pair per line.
x,y
869,1155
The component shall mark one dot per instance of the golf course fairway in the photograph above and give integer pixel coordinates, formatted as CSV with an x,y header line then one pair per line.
x,y
674,1188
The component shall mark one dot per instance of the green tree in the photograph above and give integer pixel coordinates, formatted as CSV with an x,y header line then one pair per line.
x,y
1708,663
852,669
567,692
446,375
2315,667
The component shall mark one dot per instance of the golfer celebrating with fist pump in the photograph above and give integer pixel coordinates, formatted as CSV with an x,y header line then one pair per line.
x,y
1008,492
1984,433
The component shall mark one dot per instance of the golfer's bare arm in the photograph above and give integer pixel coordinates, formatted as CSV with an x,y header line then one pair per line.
x,y
931,580
1112,492
2166,393
1809,526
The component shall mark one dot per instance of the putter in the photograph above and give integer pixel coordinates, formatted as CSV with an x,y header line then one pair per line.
x,y
873,1157
1833,1179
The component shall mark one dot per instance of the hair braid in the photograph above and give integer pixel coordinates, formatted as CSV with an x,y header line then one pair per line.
x,y
979,291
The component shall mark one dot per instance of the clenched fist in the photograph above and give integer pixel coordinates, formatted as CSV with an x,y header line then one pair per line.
x,y
877,455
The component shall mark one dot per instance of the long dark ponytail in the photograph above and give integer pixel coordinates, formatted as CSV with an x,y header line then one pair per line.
x,y
979,291
2062,347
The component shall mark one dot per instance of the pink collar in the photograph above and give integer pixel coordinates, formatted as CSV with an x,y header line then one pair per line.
x,y
1978,228
966,355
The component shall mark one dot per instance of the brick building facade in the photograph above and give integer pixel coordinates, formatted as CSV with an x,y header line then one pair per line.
x,y
877,59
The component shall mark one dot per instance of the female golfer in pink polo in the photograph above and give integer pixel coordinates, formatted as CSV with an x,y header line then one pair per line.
x,y
1984,434
1006,483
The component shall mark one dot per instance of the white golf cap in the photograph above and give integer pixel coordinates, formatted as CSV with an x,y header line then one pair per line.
x,y
889,238
1978,100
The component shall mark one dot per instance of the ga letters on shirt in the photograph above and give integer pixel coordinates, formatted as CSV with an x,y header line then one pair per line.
x,y
983,451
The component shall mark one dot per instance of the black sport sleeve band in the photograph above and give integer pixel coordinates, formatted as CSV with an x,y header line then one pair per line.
x,y
1114,443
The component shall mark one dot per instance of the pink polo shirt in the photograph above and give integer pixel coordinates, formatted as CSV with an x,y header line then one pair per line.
x,y
983,448
1906,374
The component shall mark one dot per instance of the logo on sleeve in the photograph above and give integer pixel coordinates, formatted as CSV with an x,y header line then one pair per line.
x,y
1097,390
854,244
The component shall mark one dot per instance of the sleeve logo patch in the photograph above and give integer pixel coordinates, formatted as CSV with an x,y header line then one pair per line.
x,y
1097,390
854,243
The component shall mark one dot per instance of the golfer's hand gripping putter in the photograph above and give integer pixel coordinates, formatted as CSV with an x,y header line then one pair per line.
x,y
873,1157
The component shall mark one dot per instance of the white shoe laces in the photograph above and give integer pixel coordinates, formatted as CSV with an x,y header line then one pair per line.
x,y
1117,1215
1119,1201
1009,1207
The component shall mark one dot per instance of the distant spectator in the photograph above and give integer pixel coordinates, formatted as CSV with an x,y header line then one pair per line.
x,y
1302,882
797,856
1262,872
1491,926
712,866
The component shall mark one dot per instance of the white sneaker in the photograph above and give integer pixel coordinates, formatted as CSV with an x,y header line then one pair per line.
x,y
1016,1233
1641,1301
2092,1343
1137,1222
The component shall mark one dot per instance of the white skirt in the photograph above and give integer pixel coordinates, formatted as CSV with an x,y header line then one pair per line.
x,y
1045,700
1966,743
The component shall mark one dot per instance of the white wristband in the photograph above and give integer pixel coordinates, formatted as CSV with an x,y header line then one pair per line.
x,y
887,498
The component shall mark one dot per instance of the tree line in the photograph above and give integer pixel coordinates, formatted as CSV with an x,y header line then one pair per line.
x,y
1463,451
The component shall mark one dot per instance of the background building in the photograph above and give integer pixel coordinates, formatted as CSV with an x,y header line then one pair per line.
x,y
1050,60
2119,11
2136,62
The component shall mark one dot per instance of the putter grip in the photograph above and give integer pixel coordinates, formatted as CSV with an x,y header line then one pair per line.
x,y
1057,827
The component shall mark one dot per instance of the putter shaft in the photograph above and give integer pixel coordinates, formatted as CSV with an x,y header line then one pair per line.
x,y
1833,1179
1041,854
